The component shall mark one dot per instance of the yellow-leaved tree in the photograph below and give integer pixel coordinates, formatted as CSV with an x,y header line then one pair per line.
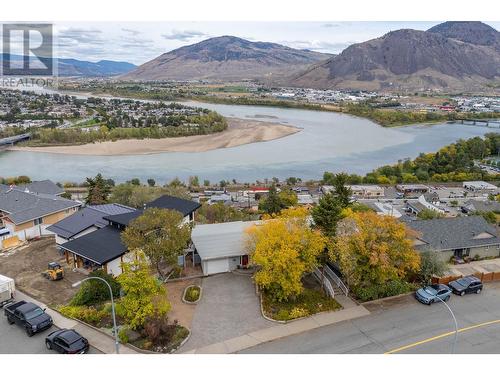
x,y
284,249
373,250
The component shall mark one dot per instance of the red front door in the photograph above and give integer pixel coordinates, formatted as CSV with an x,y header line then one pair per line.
x,y
244,260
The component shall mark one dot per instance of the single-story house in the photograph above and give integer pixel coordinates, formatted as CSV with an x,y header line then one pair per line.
x,y
359,191
220,198
85,221
474,205
103,248
412,189
305,199
26,214
367,191
457,236
37,187
384,209
221,247
479,186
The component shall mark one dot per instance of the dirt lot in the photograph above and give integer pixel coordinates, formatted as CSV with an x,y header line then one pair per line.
x,y
182,312
26,264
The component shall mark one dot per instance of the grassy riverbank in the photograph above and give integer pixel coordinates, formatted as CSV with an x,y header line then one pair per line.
x,y
200,125
387,117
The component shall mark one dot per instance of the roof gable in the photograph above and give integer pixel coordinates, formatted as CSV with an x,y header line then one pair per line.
x,y
454,233
86,218
100,246
23,206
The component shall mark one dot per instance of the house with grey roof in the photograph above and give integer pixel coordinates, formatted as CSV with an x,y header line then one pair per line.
x,y
473,205
27,213
86,221
463,236
91,238
221,247
38,187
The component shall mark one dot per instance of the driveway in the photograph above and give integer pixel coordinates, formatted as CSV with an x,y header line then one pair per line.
x,y
228,308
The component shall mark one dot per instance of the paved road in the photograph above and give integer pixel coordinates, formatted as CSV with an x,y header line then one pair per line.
x,y
406,322
13,340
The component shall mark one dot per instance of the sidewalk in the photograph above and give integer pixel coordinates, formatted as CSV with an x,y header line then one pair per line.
x,y
251,339
97,339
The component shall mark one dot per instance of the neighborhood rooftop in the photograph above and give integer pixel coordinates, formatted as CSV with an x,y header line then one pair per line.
x,y
86,218
22,206
453,233
100,246
41,187
214,241
184,206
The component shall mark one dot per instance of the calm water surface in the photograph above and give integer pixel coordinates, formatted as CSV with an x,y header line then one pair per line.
x,y
328,142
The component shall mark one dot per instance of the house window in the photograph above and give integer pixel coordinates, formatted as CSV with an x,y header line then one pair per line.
x,y
38,221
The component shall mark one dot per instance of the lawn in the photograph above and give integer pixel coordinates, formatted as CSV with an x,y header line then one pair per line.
x,y
311,301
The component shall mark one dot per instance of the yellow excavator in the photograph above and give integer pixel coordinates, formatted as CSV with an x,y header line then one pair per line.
x,y
54,272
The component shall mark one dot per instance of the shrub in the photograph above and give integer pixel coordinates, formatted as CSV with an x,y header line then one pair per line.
x,y
158,330
298,312
95,291
391,288
123,335
86,314
192,293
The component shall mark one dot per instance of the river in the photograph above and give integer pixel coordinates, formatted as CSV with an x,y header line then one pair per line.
x,y
328,142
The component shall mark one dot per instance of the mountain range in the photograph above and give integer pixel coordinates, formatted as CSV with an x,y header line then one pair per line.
x,y
449,56
226,58
80,68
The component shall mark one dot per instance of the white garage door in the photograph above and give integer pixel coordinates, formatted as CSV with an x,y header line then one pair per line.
x,y
216,266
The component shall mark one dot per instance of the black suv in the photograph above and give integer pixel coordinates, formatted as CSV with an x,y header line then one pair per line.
x,y
468,284
67,341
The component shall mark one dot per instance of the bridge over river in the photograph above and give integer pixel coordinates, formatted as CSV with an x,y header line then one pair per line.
x,y
10,141
489,123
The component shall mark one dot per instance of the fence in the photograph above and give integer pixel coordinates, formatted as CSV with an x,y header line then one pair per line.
x,y
27,234
333,276
324,280
484,277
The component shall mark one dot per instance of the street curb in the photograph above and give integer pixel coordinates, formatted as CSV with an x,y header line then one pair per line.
x,y
387,298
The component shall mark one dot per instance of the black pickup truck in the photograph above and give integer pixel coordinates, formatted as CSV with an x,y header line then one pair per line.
x,y
28,315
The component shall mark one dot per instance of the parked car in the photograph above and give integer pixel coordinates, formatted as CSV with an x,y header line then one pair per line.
x,y
67,341
29,316
468,284
433,293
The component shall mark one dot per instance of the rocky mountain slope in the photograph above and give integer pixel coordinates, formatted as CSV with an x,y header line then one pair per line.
x,y
449,56
225,58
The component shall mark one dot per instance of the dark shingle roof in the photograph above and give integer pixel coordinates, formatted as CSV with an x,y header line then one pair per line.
x,y
86,218
453,233
100,246
184,206
22,207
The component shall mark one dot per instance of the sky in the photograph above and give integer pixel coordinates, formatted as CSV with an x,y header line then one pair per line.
x,y
138,42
